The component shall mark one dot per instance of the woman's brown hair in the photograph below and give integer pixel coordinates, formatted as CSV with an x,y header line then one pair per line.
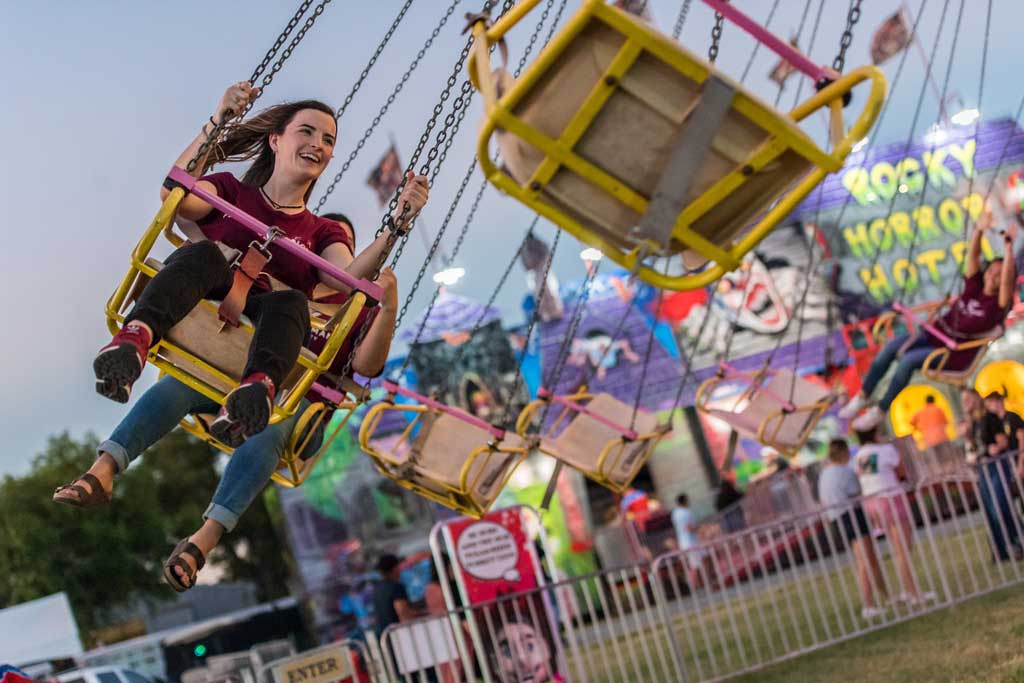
x,y
250,139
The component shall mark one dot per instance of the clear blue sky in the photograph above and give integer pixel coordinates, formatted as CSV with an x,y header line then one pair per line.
x,y
100,97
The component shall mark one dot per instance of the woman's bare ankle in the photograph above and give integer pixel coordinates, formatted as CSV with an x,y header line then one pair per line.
x,y
104,469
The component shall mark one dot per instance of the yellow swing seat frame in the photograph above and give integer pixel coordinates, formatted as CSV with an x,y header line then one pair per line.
x,y
934,366
764,411
589,129
442,457
579,437
208,356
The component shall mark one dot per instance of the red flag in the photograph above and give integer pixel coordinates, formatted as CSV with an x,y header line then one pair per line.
x,y
385,178
639,8
783,69
891,38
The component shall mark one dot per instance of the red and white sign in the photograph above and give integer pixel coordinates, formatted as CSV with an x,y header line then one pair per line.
x,y
494,555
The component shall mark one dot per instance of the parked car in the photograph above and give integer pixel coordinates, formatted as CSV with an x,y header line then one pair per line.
x,y
101,674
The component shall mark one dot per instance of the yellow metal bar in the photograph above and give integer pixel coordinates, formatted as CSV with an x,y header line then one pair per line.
x,y
511,18
566,157
586,114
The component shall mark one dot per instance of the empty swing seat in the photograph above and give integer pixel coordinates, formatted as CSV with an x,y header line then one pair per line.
x,y
777,408
592,434
444,454
640,148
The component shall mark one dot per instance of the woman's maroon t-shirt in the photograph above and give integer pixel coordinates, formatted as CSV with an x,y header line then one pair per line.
x,y
310,231
971,316
318,338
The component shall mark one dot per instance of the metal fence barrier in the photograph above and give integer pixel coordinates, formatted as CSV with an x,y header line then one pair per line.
x,y
760,595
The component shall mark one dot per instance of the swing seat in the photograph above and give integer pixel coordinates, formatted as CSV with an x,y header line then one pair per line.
x,y
936,363
640,148
764,412
444,454
209,356
591,433
292,469
939,365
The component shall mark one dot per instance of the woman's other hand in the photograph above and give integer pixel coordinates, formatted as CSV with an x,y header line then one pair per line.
x,y
234,101
389,287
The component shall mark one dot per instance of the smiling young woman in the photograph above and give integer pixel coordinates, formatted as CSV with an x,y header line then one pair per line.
x,y
289,146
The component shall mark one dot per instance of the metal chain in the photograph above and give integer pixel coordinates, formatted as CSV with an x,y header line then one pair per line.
x,y
529,329
387,105
551,382
844,43
292,23
452,123
642,384
219,128
716,37
457,358
533,37
689,362
430,257
554,24
471,214
388,221
684,11
373,60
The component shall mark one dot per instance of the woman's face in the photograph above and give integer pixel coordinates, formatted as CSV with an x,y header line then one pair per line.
x,y
523,654
306,146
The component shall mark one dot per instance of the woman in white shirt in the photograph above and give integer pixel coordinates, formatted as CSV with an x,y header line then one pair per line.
x,y
880,470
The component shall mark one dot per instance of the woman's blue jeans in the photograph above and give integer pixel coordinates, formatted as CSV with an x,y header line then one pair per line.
x,y
249,468
911,360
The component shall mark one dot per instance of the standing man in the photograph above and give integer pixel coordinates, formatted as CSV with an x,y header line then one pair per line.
x,y
930,422
390,601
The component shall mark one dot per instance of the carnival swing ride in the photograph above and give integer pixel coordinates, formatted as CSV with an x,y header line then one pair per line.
x,y
616,134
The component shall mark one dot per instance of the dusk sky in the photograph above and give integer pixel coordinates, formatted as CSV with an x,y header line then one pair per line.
x,y
100,97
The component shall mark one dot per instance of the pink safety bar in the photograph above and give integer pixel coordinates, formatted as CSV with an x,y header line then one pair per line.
x,y
370,289
331,395
457,413
561,400
946,340
786,403
783,49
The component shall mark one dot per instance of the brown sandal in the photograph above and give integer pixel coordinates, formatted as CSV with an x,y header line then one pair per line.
x,y
184,546
95,497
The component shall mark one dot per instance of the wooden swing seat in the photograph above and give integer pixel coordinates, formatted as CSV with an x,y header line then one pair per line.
x,y
919,319
591,433
209,357
765,412
444,455
639,147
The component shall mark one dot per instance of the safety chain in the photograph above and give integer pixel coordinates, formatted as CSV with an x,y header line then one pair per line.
x,y
536,34
373,60
269,77
551,382
430,257
554,24
844,43
386,106
436,244
219,127
684,11
452,122
716,37
542,283
642,384
388,222
292,23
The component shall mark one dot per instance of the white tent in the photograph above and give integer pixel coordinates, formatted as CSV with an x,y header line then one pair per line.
x,y
39,630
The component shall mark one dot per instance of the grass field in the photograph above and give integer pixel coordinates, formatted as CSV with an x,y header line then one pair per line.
x,y
808,607
979,640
